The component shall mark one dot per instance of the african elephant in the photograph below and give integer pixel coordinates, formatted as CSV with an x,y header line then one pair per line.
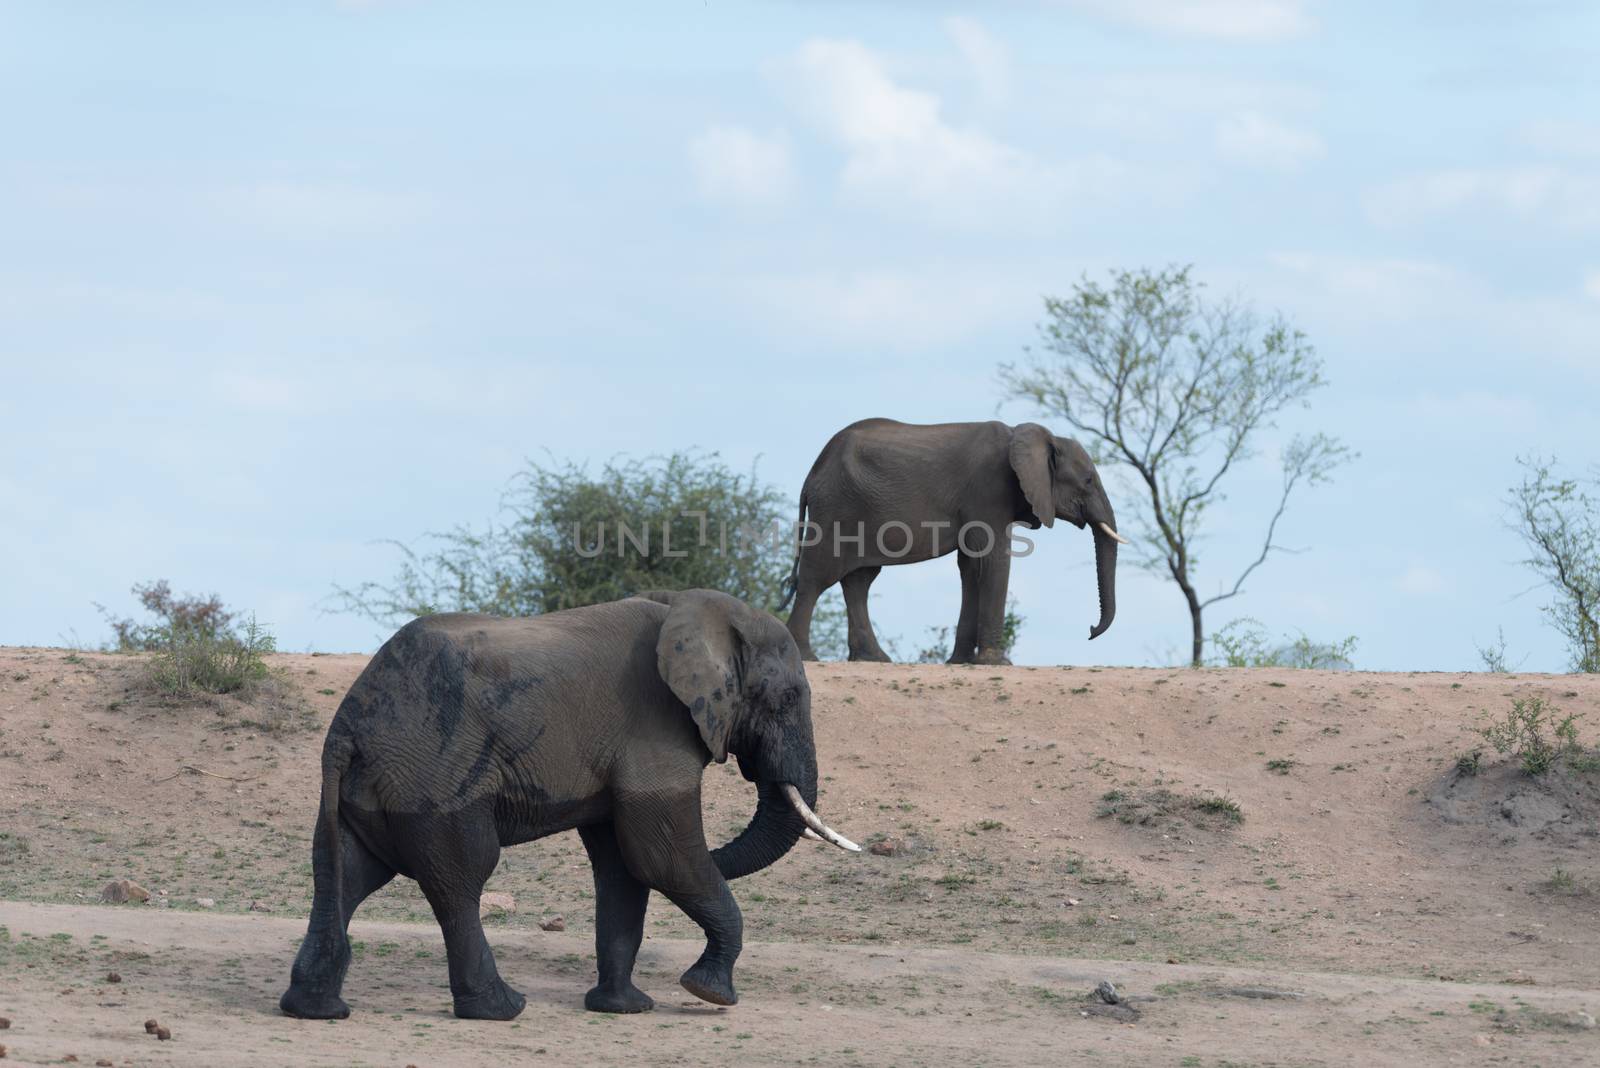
x,y
468,733
884,492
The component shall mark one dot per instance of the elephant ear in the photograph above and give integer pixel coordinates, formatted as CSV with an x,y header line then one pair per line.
x,y
699,655
1031,449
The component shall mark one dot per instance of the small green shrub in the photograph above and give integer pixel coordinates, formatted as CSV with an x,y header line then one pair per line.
x,y
1245,643
1226,807
195,662
1532,734
198,649
1469,763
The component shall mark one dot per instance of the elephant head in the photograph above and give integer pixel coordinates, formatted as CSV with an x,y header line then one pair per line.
x,y
739,673
1059,481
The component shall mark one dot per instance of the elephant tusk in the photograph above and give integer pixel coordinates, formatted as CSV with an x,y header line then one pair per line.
x,y
1113,535
813,821
814,836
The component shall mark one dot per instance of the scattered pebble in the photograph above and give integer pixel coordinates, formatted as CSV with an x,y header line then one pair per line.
x,y
163,1034
113,977
102,1063
554,923
260,906
71,1058
2,1052
150,1027
1107,993
206,902
5,1023
886,848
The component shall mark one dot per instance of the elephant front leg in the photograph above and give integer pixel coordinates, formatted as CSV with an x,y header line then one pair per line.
x,y
664,846
620,902
994,577
711,977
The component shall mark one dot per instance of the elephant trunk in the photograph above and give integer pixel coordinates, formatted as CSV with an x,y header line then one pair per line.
x,y
771,833
1105,567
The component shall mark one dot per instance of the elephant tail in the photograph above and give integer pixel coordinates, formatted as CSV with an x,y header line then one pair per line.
x,y
337,752
792,582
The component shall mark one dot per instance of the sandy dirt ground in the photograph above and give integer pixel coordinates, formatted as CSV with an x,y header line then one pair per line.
x,y
1048,828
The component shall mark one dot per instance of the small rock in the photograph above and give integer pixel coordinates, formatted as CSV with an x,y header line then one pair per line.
x,y
71,1058
163,1034
260,906
206,902
886,848
554,923
150,1027
1107,993
2,1052
119,890
1073,902
495,901
102,1063
5,1024
113,977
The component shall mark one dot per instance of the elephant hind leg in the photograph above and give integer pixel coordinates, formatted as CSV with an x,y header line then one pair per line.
x,y
619,906
964,648
809,586
453,857
317,979
863,642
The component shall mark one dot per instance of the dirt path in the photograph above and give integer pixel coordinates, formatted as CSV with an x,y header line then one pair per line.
x,y
213,980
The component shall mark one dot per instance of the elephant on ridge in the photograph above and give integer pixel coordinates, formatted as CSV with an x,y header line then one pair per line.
x,y
884,492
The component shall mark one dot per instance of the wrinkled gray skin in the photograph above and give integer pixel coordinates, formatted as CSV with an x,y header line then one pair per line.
x,y
880,471
468,733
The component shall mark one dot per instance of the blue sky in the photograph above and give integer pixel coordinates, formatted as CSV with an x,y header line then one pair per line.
x,y
278,281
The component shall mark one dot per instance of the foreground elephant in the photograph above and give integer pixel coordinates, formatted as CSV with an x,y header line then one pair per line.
x,y
884,492
467,733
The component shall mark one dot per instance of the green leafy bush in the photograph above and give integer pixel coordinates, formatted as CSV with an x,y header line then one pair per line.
x,y
197,647
1244,643
1531,732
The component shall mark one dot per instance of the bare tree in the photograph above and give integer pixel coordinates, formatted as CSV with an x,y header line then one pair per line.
x,y
1176,390
1560,523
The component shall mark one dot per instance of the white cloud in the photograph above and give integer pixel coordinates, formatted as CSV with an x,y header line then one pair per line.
x,y
985,56
732,163
1409,296
1420,580
1243,20
1253,139
1561,137
901,152
1553,194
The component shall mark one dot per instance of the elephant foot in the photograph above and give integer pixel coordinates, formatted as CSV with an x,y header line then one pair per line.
x,y
708,982
307,1006
624,999
807,655
992,658
961,658
871,656
499,1002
